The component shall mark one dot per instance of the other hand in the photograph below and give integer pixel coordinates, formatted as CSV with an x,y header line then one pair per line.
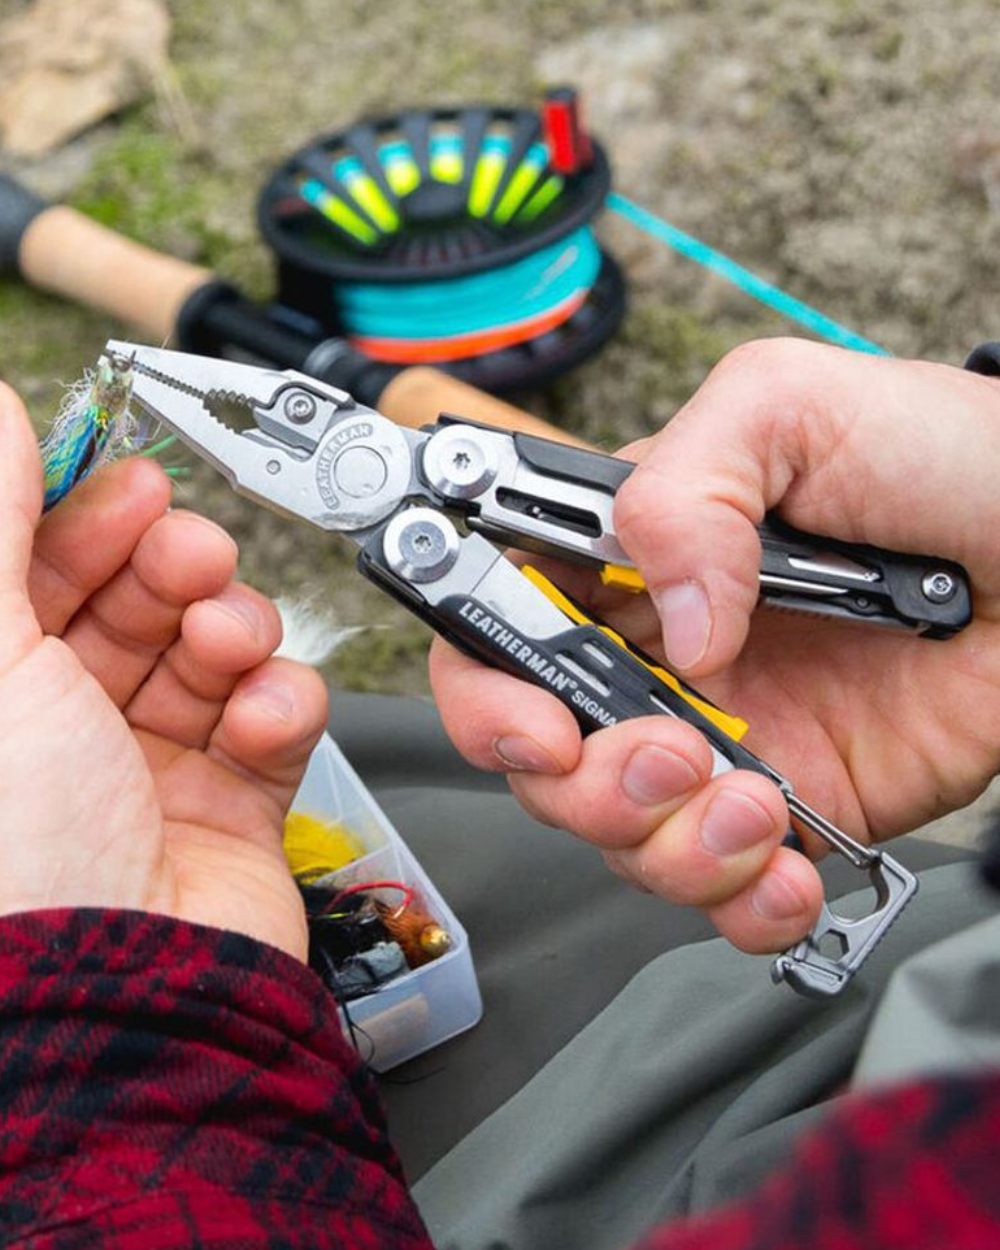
x,y
149,741
881,731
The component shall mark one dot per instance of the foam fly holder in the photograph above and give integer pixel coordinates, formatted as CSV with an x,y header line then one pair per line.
x,y
446,236
428,1005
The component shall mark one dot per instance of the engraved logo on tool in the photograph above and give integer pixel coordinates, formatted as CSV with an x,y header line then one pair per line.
x,y
325,460
534,661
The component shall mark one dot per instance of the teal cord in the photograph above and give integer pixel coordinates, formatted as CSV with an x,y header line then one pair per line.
x,y
450,307
756,287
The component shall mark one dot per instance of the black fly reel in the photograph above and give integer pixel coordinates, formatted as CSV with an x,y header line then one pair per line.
x,y
457,237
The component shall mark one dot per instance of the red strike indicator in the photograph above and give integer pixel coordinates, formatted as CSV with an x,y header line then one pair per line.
x,y
568,142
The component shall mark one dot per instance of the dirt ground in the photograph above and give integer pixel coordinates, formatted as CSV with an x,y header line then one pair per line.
x,y
847,149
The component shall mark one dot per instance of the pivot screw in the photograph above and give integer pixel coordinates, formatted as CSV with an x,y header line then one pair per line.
x,y
420,545
460,463
300,408
939,587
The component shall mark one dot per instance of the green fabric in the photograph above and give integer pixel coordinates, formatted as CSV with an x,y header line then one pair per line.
x,y
682,1094
941,1011
658,1082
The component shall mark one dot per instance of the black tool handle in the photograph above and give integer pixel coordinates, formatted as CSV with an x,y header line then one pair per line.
x,y
601,681
928,595
595,673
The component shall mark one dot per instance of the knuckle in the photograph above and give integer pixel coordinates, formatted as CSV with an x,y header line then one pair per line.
x,y
642,509
580,809
770,360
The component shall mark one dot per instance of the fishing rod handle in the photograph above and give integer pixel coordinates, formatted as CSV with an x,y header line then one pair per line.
x,y
417,396
61,251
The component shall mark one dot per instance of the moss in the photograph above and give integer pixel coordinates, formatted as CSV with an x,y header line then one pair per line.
x,y
136,179
679,343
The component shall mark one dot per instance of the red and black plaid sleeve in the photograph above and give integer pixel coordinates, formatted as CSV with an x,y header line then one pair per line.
x,y
914,1168
164,1085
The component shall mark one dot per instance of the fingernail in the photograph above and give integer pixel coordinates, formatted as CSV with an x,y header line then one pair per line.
x,y
273,699
238,607
525,755
654,775
774,899
734,823
686,618
214,526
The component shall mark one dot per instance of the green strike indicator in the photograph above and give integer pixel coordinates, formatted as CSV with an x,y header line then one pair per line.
x,y
486,175
367,194
549,191
402,173
335,210
521,184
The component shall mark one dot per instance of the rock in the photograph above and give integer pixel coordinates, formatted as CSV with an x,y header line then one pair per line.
x,y
65,66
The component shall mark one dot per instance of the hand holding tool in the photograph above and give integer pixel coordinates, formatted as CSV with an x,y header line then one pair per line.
x,y
315,454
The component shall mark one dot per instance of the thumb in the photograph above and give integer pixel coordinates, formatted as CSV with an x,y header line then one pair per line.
x,y
20,508
850,446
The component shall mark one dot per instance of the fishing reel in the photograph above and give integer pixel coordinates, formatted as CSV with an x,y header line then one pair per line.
x,y
457,237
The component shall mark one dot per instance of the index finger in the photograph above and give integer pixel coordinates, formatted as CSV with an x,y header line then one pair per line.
x,y
498,723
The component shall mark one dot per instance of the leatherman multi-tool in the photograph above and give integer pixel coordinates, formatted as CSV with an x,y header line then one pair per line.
x,y
315,454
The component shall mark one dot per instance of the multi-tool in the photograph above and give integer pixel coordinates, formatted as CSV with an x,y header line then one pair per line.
x,y
312,452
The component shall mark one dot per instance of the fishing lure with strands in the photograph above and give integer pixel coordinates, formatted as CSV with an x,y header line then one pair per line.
x,y
93,426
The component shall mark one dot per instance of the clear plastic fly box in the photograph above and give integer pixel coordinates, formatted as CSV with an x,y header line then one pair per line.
x,y
422,1007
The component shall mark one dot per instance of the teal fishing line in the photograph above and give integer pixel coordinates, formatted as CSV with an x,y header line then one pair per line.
x,y
756,287
537,283
525,289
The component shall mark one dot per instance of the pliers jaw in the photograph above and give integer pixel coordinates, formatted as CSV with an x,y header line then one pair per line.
x,y
295,456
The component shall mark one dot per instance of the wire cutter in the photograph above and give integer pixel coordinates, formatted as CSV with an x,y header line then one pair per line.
x,y
313,453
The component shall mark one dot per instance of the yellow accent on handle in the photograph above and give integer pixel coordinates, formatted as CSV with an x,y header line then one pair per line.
x,y
733,726
623,578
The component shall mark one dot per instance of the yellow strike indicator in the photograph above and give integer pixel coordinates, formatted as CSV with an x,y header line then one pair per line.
x,y
446,167
517,191
402,174
370,197
342,215
622,578
733,726
485,180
